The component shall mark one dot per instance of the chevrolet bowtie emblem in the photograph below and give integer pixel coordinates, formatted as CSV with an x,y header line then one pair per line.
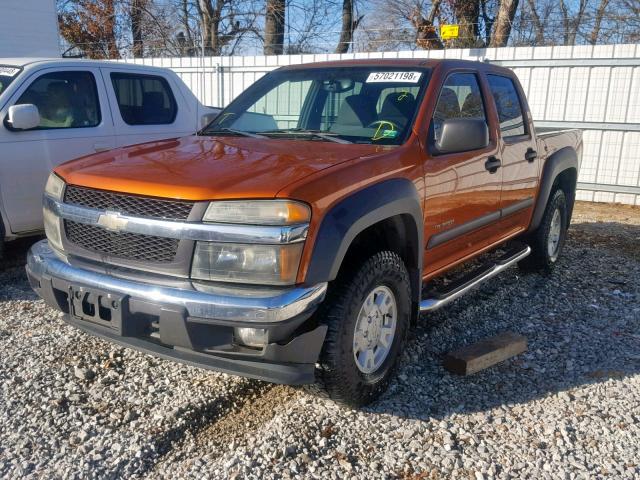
x,y
112,221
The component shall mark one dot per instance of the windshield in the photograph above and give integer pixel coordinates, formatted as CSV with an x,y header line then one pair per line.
x,y
7,74
346,105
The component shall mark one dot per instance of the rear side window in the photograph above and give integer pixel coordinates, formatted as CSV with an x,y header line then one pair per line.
x,y
64,100
508,105
144,99
460,97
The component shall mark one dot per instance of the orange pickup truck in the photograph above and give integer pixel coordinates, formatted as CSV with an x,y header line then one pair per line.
x,y
298,237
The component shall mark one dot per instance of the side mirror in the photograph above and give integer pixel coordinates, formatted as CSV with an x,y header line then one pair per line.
x,y
23,117
462,135
209,117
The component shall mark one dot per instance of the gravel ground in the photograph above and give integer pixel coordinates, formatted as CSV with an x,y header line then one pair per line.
x,y
72,406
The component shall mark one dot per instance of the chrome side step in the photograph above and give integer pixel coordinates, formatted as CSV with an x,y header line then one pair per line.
x,y
484,273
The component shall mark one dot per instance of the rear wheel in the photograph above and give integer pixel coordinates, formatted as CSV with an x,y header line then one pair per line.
x,y
367,312
548,239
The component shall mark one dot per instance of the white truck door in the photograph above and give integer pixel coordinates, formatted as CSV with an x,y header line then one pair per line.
x,y
74,121
147,106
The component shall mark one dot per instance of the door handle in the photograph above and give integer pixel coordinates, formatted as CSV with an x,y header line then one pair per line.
x,y
530,155
492,164
101,147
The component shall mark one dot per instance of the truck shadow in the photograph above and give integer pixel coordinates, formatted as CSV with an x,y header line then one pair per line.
x,y
582,323
13,279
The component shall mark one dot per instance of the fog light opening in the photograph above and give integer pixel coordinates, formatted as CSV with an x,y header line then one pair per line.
x,y
251,337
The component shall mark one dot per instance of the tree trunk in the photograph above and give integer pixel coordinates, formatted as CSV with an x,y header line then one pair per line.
x,y
537,24
187,29
137,7
571,23
502,26
595,32
426,33
274,27
467,13
205,12
348,27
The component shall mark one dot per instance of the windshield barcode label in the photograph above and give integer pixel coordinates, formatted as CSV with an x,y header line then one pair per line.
x,y
403,77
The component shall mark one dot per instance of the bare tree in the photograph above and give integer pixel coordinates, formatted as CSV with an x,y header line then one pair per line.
x,y
488,20
595,31
91,26
274,24
426,33
537,23
504,20
223,22
136,13
571,21
349,24
185,37
467,13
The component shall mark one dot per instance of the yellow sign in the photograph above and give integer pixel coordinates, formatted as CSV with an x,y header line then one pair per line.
x,y
449,31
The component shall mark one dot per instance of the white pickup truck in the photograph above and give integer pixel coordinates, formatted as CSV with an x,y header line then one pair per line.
x,y
54,110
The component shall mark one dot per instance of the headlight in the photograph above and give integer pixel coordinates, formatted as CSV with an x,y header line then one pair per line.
x,y
54,187
52,229
257,264
258,212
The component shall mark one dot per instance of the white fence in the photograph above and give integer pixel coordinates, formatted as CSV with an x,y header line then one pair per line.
x,y
594,88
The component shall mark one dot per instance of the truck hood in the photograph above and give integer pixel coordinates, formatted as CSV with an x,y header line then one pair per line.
x,y
209,168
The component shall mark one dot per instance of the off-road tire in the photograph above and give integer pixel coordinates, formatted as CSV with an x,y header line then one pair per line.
x,y
337,373
540,260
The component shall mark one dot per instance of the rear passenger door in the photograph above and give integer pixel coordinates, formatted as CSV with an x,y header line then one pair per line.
x,y
74,121
520,164
461,187
146,107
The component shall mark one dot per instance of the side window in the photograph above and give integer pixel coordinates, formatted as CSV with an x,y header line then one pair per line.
x,y
144,99
460,97
64,100
508,105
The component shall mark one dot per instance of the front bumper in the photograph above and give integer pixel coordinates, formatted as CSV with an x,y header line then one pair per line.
x,y
188,325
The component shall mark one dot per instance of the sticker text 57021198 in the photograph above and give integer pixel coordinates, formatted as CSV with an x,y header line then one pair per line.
x,y
8,71
404,77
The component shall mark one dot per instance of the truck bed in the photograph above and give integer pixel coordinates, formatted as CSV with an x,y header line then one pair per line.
x,y
552,139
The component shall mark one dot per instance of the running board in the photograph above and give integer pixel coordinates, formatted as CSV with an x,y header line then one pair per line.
x,y
456,290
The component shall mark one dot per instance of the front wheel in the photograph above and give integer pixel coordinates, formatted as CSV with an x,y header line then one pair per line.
x,y
548,239
367,312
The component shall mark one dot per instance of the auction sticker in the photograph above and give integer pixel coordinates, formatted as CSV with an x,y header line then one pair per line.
x,y
9,71
404,77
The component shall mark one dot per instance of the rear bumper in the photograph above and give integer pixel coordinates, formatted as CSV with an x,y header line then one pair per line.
x,y
189,325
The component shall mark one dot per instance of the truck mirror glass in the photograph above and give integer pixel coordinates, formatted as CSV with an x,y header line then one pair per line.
x,y
462,135
23,117
338,85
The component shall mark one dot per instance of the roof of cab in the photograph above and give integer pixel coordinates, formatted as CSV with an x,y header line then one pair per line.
x,y
393,62
70,62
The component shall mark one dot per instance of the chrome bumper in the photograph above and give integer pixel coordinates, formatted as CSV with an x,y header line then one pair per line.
x,y
258,306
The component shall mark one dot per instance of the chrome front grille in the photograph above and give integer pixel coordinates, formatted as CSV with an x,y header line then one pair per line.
x,y
129,246
128,204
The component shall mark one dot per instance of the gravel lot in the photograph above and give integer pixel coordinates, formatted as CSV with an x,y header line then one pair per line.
x,y
72,406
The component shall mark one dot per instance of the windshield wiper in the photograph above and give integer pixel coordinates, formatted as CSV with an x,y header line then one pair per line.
x,y
232,130
331,137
